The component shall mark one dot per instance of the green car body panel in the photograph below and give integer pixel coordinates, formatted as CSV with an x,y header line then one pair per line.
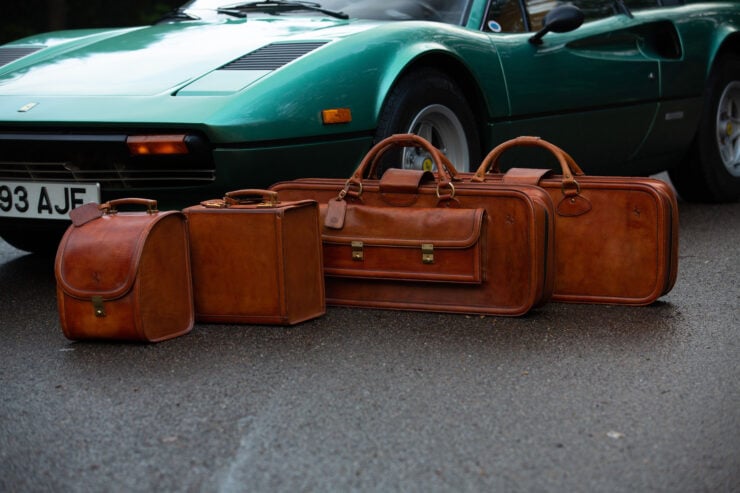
x,y
623,94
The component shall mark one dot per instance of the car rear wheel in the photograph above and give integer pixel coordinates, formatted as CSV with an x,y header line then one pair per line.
x,y
430,104
711,170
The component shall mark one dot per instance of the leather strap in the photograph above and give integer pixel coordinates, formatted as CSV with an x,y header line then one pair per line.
x,y
396,180
525,176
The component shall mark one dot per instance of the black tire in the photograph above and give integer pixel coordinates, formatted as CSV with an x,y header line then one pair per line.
x,y
429,103
41,242
705,175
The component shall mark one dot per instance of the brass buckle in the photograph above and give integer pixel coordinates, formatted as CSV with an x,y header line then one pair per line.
x,y
578,188
346,188
452,190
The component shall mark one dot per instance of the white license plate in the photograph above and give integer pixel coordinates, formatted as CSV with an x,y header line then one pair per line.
x,y
44,200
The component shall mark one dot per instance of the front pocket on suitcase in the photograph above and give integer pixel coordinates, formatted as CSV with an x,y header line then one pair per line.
x,y
407,244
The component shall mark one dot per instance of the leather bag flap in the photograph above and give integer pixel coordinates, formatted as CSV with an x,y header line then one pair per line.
x,y
101,257
430,244
394,226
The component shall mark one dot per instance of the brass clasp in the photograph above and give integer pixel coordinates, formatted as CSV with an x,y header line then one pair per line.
x,y
357,250
427,253
97,302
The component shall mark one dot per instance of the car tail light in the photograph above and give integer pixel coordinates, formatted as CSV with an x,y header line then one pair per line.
x,y
142,145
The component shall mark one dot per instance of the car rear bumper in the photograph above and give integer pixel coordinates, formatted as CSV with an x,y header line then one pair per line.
x,y
174,181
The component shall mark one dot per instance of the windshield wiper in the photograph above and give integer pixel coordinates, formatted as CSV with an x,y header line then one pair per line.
x,y
177,15
622,8
277,6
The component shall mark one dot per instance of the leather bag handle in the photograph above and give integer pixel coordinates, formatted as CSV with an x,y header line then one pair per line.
x,y
449,168
445,173
251,196
111,207
568,166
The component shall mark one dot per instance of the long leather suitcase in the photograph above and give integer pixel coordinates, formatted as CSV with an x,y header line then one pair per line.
x,y
616,238
256,259
124,275
414,240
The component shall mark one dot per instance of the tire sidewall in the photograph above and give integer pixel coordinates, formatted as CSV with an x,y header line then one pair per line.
x,y
418,90
721,184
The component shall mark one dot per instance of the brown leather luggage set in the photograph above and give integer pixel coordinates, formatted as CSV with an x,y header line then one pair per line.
x,y
486,243
127,275
417,240
611,240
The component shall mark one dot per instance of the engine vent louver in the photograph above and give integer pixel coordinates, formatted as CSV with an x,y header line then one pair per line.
x,y
272,57
13,53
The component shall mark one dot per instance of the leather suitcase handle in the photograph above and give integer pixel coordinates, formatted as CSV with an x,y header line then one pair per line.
x,y
568,166
449,168
111,207
251,196
446,172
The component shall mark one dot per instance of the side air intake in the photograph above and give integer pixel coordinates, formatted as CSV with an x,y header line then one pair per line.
x,y
13,53
272,56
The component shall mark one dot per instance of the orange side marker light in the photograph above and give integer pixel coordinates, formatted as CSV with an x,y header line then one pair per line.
x,y
336,115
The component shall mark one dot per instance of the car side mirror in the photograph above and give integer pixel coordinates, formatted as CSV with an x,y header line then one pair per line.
x,y
561,19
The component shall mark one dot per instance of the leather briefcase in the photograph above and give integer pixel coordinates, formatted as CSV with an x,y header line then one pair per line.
x,y
616,238
256,260
415,240
124,275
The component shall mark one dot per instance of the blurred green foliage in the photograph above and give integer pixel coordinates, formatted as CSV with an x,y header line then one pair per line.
x,y
25,17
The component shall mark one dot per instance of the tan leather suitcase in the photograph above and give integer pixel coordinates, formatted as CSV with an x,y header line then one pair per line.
x,y
256,260
415,240
124,275
616,238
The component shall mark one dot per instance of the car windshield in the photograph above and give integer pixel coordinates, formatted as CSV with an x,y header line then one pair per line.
x,y
448,11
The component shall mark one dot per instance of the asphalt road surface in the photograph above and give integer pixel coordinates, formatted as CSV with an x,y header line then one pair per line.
x,y
571,398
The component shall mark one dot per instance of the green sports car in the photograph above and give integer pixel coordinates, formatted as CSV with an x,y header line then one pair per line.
x,y
222,96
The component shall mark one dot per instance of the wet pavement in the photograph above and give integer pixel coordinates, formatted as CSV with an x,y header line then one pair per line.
x,y
571,398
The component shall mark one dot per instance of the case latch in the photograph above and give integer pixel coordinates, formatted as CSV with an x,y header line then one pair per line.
x,y
357,252
427,253
97,302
